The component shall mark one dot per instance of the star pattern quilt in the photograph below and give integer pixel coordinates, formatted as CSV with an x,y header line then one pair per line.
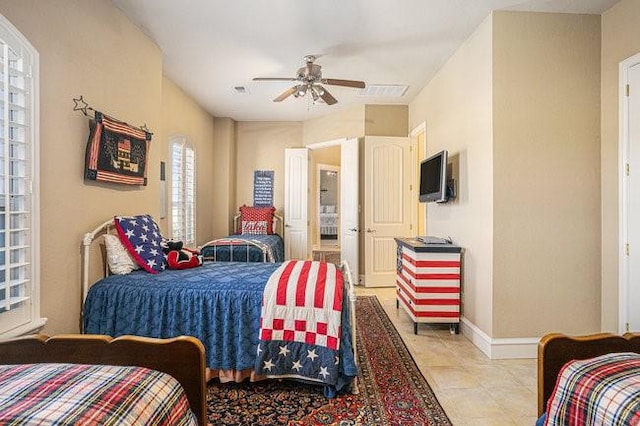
x,y
300,325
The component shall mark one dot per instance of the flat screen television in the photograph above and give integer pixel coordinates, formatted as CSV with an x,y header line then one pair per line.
x,y
433,178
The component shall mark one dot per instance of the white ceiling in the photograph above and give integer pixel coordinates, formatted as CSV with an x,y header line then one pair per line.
x,y
211,46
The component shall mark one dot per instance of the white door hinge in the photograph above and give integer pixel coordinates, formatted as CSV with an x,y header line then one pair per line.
x,y
626,169
628,90
626,249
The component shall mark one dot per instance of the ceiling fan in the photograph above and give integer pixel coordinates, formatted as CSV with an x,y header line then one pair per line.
x,y
309,80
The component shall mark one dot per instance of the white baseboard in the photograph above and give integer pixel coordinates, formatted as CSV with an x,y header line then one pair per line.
x,y
505,348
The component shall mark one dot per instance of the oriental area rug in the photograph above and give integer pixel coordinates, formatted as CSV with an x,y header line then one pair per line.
x,y
391,388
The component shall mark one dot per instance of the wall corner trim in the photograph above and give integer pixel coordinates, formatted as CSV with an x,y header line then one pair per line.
x,y
503,348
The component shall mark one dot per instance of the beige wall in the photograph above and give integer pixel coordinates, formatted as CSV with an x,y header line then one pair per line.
x,y
456,106
422,207
260,146
546,162
329,155
344,123
182,117
90,49
386,120
224,176
620,40
522,90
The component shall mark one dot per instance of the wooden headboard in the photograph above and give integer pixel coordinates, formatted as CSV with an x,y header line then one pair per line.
x,y
181,357
555,350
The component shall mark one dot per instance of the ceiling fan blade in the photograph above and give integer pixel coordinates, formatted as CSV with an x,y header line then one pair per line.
x,y
346,83
328,98
284,95
273,79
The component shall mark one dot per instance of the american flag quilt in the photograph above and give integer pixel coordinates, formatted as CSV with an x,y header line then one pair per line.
x,y
300,324
76,394
141,237
599,391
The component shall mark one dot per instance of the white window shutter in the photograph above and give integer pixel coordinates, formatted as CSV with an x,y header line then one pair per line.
x,y
183,192
19,220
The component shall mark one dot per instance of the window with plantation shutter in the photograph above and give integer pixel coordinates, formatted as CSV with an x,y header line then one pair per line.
x,y
183,192
19,220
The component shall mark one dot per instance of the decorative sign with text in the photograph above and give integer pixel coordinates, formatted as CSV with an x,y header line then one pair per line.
x,y
263,188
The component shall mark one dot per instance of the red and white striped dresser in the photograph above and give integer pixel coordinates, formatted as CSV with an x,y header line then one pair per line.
x,y
428,282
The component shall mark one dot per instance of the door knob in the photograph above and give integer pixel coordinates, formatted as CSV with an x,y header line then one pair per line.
x,y
353,229
371,231
287,226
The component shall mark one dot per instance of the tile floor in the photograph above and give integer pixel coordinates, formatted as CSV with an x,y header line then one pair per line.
x,y
473,389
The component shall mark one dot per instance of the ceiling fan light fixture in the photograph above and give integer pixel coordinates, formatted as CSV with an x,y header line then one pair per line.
x,y
308,79
314,94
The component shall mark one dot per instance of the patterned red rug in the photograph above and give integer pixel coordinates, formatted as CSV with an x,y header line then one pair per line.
x,y
392,389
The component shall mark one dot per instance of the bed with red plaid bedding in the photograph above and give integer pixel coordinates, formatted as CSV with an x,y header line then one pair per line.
x,y
599,391
77,394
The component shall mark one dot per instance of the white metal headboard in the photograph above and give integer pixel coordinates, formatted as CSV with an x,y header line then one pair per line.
x,y
89,237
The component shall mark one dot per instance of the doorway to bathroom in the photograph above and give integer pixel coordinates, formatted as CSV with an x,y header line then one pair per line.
x,y
327,242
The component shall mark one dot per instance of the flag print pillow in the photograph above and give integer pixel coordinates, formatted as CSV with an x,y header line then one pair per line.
x,y
141,237
255,215
256,227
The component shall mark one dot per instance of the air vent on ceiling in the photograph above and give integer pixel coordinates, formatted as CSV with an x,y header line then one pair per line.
x,y
383,90
241,90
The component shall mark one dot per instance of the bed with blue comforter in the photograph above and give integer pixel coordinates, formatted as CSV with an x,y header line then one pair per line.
x,y
239,247
219,303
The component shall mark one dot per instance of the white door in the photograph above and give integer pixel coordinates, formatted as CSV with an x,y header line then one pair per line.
x,y
387,206
295,203
633,212
349,205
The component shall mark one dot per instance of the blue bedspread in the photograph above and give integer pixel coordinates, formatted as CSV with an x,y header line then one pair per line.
x,y
219,303
223,253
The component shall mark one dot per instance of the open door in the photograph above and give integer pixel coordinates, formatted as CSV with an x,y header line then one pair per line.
x,y
349,205
296,185
630,247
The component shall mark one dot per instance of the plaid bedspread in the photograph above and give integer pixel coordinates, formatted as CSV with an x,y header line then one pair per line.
x,y
300,326
599,391
74,394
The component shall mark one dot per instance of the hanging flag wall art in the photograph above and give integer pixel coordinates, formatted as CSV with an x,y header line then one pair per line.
x,y
116,151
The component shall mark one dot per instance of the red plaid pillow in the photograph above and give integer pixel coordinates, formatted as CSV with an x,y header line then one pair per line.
x,y
256,214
